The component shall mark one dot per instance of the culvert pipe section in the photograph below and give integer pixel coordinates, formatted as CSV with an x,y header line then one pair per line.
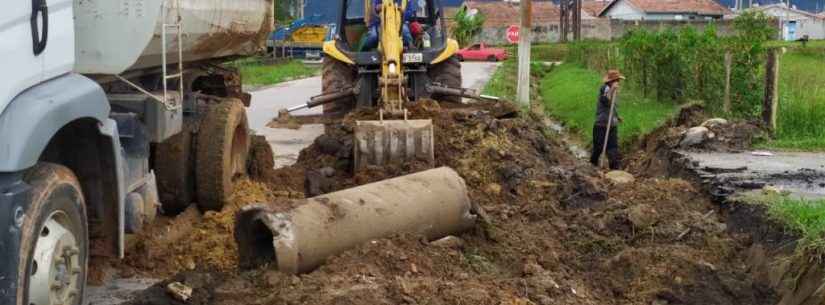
x,y
433,203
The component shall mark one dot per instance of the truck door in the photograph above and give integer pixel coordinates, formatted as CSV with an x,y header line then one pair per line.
x,y
59,48
23,67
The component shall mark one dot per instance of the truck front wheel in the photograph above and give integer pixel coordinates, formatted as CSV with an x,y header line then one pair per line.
x,y
223,146
54,244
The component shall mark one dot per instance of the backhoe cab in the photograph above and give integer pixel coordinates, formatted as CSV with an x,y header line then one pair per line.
x,y
391,73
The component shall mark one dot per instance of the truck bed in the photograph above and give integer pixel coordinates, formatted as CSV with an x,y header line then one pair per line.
x,y
121,35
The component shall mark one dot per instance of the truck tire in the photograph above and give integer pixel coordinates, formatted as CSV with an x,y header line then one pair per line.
x,y
447,73
54,245
337,76
175,170
223,146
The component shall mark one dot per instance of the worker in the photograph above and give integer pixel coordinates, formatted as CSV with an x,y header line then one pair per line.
x,y
606,126
371,41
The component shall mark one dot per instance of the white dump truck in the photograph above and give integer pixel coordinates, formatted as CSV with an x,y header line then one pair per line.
x,y
110,111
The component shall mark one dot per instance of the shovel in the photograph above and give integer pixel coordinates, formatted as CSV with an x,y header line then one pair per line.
x,y
603,160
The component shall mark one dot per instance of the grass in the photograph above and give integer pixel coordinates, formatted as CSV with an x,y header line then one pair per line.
x,y
801,121
504,80
258,73
570,92
796,44
803,217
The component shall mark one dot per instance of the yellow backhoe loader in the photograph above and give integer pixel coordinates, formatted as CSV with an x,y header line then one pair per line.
x,y
389,75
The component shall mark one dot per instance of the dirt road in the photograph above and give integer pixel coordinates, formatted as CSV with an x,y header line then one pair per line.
x,y
286,143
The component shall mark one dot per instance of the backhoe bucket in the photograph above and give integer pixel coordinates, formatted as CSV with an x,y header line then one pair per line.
x,y
379,143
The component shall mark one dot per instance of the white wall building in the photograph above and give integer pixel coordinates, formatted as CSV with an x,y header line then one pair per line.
x,y
664,10
795,24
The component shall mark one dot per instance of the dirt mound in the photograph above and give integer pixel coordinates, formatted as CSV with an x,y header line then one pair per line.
x,y
654,151
558,233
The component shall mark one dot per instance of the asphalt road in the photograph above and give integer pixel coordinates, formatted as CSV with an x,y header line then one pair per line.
x,y
287,143
800,173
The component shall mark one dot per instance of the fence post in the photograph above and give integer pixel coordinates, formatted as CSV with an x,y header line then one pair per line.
x,y
771,102
728,62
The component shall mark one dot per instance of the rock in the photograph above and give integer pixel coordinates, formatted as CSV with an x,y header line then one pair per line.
x,y
543,299
532,268
179,291
620,177
493,189
659,302
319,182
328,144
771,190
543,283
449,242
695,136
327,171
190,264
714,122
642,216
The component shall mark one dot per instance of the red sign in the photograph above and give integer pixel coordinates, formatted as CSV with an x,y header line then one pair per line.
x,y
512,34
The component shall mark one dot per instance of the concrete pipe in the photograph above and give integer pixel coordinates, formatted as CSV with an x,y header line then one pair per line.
x,y
433,203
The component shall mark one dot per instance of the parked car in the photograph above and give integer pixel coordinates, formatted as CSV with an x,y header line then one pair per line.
x,y
480,51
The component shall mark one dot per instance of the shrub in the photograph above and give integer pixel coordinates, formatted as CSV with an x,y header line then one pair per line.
x,y
685,64
467,26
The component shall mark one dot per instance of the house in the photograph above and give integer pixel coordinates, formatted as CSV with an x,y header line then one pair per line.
x,y
594,7
504,14
795,23
664,10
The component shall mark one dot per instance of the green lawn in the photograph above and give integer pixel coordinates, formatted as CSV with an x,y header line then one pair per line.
x,y
803,217
569,93
257,73
504,80
797,44
802,101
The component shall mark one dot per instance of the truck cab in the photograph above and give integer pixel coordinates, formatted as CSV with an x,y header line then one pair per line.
x,y
109,114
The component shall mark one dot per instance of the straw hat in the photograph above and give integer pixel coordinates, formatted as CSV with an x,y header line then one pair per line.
x,y
613,75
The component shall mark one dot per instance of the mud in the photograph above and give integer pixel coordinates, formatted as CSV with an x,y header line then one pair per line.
x,y
555,233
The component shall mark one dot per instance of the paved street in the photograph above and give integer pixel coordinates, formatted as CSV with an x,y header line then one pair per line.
x,y
800,173
287,143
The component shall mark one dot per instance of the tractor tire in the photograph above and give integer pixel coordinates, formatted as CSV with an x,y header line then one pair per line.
x,y
174,162
222,151
447,73
337,76
55,239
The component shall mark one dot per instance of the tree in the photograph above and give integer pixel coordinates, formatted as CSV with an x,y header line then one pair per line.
x,y
467,25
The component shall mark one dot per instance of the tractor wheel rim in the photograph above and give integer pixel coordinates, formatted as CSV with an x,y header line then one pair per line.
x,y
56,270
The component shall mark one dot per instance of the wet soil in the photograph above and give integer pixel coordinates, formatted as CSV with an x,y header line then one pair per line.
x,y
556,233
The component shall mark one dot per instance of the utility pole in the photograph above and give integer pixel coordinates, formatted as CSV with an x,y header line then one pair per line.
x,y
577,20
563,20
523,89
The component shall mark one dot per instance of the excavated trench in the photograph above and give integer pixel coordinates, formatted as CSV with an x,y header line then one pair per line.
x,y
557,232
728,172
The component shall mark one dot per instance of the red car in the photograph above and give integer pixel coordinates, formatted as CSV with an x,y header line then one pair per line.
x,y
480,51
